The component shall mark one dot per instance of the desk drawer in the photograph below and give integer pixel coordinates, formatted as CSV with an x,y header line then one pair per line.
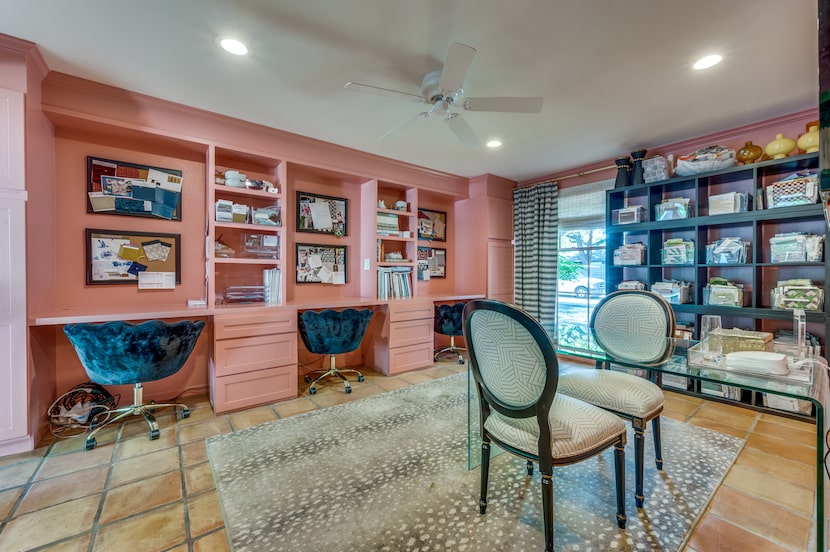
x,y
254,388
412,357
228,326
234,356
411,332
399,312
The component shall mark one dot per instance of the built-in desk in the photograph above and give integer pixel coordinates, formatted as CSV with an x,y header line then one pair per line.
x,y
253,351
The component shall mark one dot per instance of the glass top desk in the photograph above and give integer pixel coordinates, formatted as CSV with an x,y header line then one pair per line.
x,y
670,356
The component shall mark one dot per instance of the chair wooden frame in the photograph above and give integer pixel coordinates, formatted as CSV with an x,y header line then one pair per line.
x,y
539,410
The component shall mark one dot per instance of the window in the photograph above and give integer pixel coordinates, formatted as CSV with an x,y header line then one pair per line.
x,y
580,280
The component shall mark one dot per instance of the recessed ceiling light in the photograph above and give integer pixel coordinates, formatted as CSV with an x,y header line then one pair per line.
x,y
494,144
232,45
707,61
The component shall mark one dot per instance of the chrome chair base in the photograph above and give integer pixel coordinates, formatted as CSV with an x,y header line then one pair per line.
x,y
452,350
138,408
332,370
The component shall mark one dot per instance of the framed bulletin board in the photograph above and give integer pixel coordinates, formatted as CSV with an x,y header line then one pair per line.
x,y
432,263
322,214
119,188
322,264
432,225
114,257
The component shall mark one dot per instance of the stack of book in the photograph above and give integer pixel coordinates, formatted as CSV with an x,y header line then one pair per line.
x,y
388,224
394,282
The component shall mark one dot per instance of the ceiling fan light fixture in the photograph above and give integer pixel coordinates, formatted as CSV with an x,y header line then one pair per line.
x,y
232,45
492,144
707,61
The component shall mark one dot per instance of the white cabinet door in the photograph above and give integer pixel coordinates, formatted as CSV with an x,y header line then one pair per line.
x,y
13,369
12,140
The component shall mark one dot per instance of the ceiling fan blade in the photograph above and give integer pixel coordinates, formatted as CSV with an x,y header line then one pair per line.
x,y
459,58
406,125
382,91
462,130
508,105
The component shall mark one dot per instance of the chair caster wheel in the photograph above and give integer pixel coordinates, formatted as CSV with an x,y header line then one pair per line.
x,y
154,434
460,361
312,391
360,378
348,390
90,444
185,413
307,379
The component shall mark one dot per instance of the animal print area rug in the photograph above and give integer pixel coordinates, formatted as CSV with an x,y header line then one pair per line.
x,y
389,473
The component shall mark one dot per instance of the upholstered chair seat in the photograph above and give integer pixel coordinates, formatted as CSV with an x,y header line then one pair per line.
x,y
516,373
120,353
631,326
331,332
448,322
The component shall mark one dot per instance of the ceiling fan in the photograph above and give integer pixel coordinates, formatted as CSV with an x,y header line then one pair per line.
x,y
442,89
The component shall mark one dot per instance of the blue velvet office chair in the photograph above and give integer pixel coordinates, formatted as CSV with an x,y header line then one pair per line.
x,y
448,322
330,332
516,373
120,353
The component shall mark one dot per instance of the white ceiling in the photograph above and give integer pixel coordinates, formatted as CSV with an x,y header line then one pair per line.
x,y
614,74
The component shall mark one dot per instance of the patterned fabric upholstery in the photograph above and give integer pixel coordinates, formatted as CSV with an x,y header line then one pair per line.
x,y
576,428
633,325
332,332
448,319
509,359
120,353
629,395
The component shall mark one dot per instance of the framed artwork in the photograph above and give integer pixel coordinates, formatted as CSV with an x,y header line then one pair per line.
x,y
322,264
432,263
114,257
322,214
119,188
432,225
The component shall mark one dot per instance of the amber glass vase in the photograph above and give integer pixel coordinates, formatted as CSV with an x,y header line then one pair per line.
x,y
750,153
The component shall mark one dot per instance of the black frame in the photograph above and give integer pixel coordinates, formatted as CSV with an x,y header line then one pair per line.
x,y
442,215
336,229
134,237
94,184
313,278
429,254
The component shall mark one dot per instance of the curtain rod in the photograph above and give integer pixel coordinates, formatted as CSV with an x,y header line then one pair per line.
x,y
567,176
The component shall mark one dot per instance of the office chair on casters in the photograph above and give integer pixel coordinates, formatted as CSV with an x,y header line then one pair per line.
x,y
120,353
631,326
330,332
516,374
448,322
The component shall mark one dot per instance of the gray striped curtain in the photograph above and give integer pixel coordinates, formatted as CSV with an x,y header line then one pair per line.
x,y
535,230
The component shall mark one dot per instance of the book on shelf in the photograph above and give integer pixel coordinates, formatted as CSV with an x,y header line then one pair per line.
x,y
272,282
394,282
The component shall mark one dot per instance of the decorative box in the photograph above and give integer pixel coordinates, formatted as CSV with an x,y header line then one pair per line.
x,y
677,251
736,339
672,209
674,292
727,295
629,215
728,251
798,294
630,254
631,284
795,247
797,189
730,202
260,246
656,168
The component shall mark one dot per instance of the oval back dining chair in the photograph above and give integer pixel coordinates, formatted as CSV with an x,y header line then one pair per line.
x,y
120,353
514,365
633,326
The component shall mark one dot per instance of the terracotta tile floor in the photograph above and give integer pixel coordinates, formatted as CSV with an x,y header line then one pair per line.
x,y
133,494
